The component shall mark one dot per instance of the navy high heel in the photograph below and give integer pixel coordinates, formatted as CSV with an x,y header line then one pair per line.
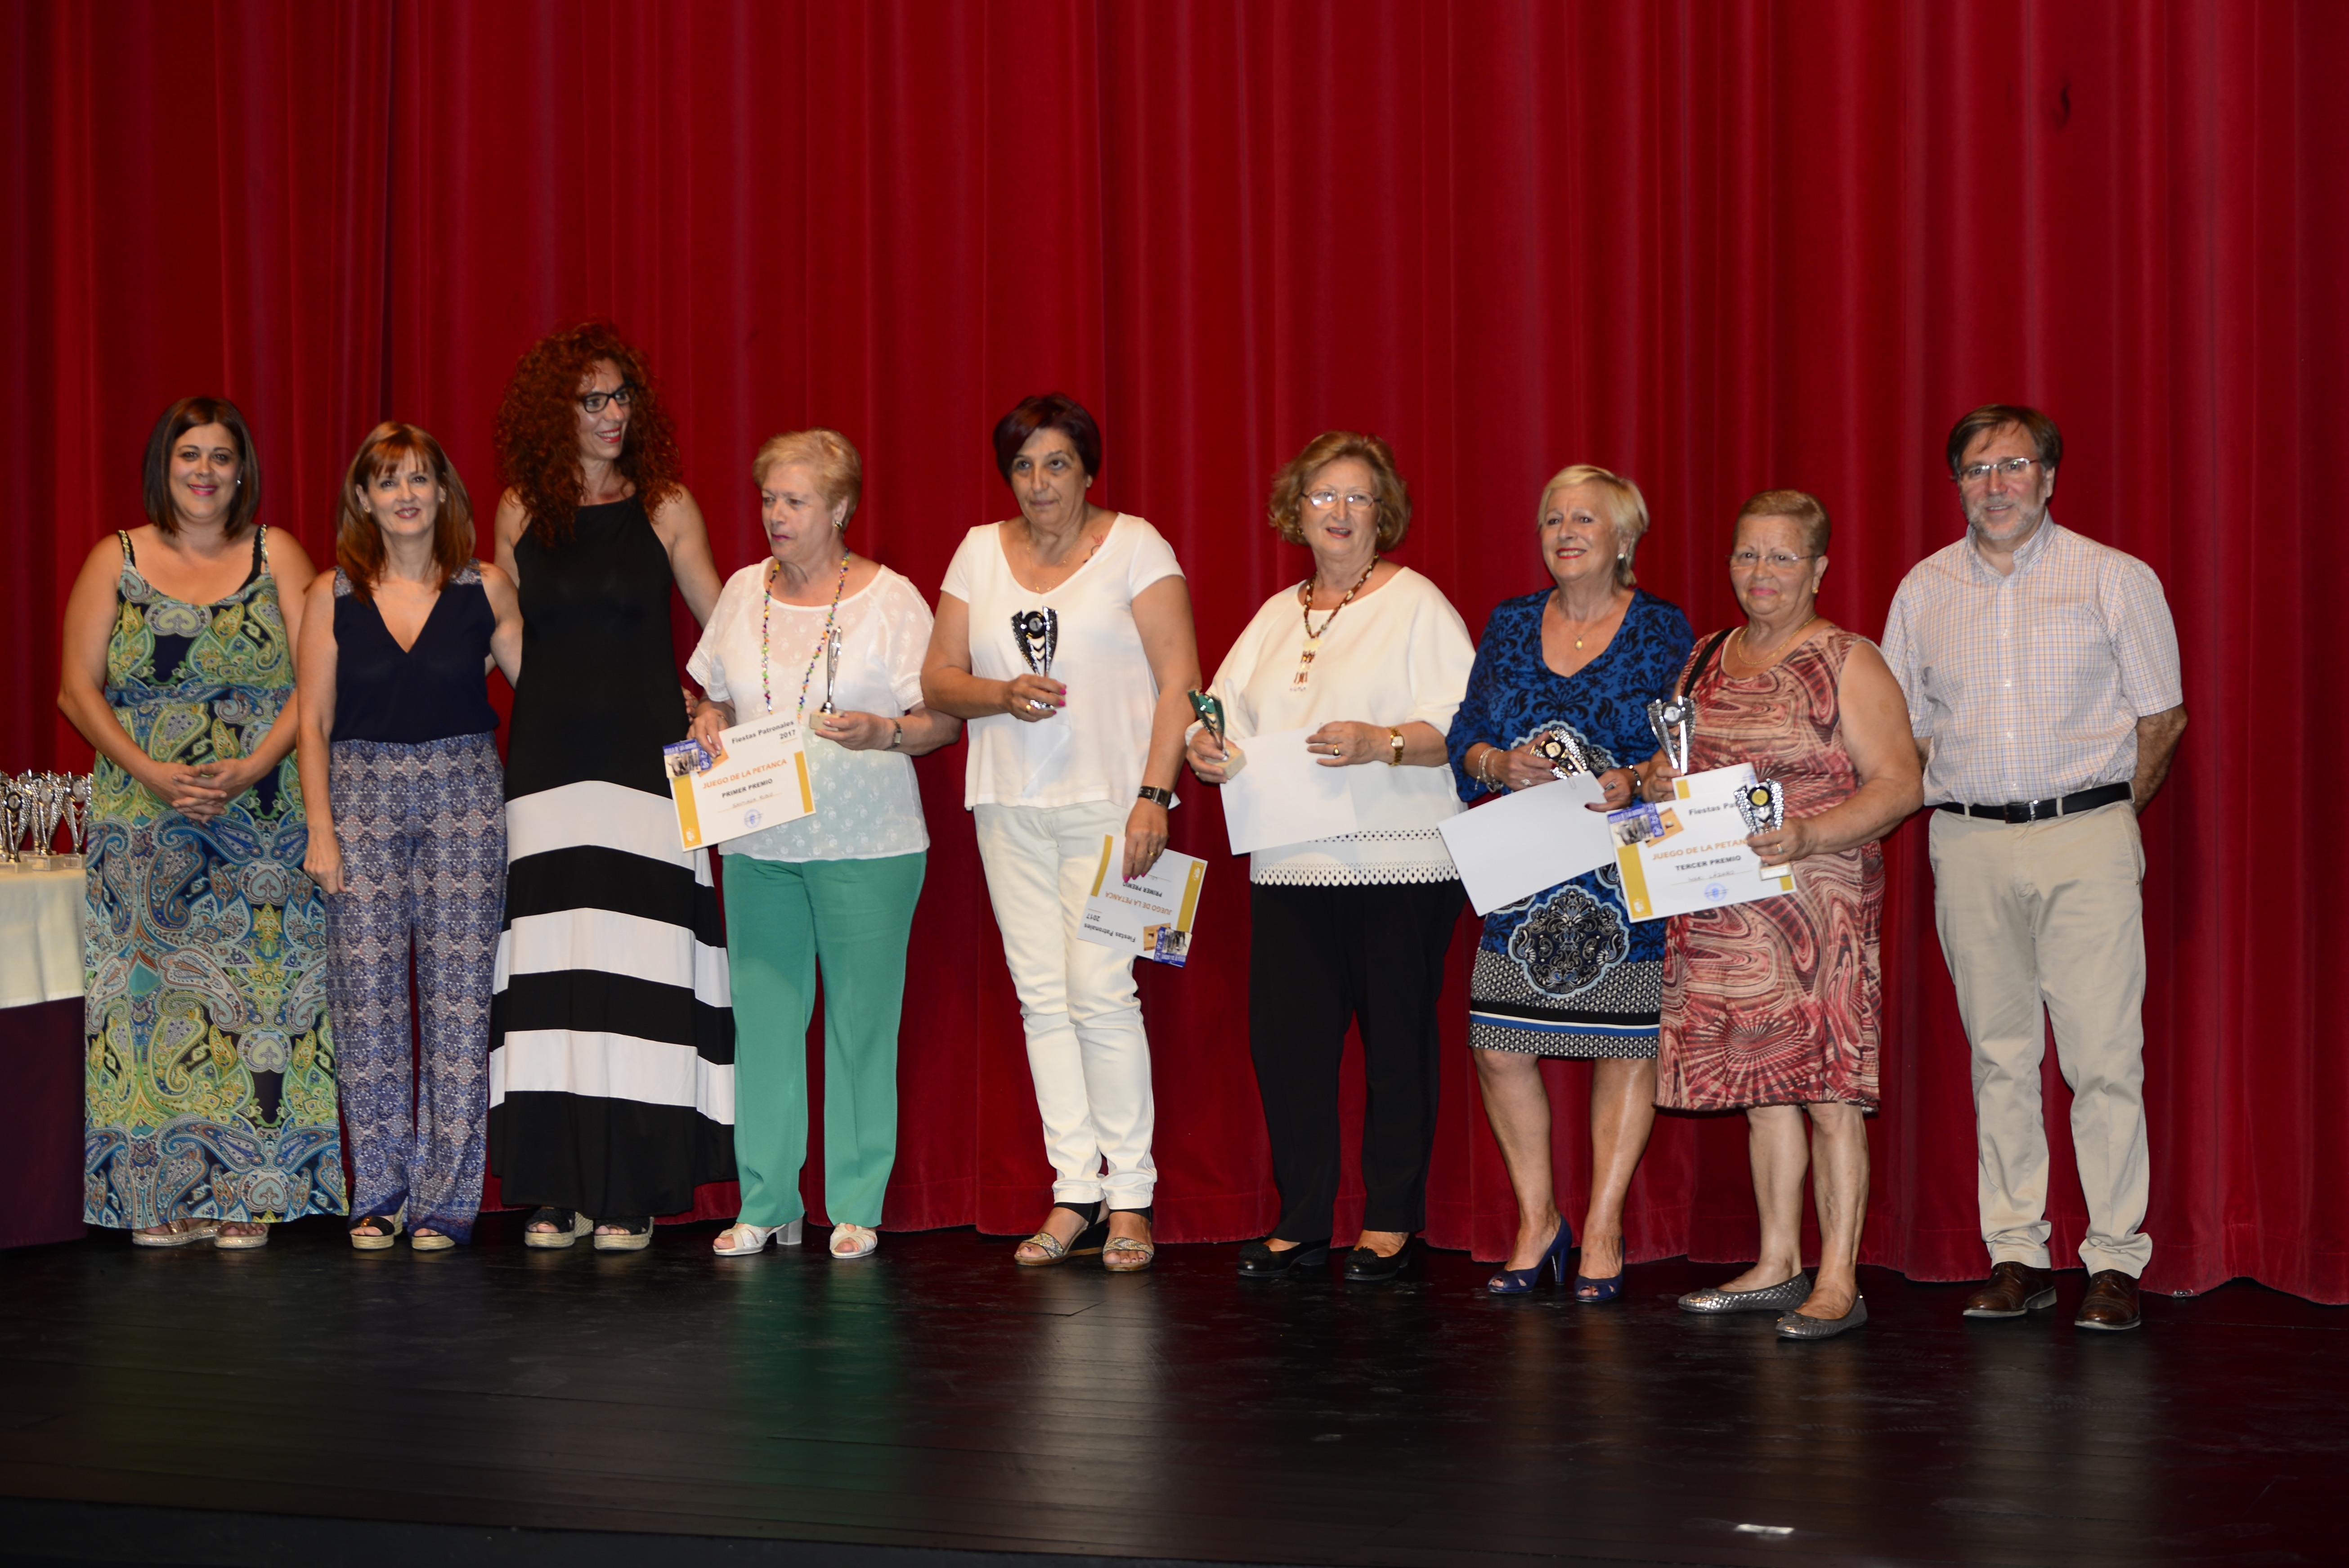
x,y
1518,1282
1597,1292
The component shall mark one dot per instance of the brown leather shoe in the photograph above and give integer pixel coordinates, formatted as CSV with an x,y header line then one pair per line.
x,y
2110,1303
2012,1291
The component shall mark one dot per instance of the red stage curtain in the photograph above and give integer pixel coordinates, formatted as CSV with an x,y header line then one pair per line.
x,y
1715,247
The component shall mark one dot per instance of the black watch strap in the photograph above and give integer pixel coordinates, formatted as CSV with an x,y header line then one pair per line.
x,y
1151,793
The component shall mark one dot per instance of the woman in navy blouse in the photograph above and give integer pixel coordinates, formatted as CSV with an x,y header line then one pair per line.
x,y
1565,973
406,801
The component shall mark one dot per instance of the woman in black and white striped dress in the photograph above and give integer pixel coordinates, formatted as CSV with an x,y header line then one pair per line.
x,y
611,1036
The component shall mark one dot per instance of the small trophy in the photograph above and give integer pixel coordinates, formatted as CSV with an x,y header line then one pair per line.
x,y
34,822
80,789
830,669
1039,632
1210,710
1673,719
1763,804
10,820
1565,758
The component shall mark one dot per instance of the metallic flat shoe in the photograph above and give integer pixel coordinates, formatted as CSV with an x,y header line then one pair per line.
x,y
1785,1297
1795,1325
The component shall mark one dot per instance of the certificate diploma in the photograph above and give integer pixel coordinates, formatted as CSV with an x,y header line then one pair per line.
x,y
762,780
1150,915
1689,853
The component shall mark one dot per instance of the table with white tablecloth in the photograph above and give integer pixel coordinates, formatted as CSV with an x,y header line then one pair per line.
x,y
41,1054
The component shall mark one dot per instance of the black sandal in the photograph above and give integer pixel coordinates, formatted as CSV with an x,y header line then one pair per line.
x,y
381,1232
634,1236
569,1226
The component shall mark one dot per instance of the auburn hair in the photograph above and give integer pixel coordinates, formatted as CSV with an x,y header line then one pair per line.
x,y
1285,510
538,428
358,542
1801,508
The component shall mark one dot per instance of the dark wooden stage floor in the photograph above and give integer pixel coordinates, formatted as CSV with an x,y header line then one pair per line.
x,y
937,1406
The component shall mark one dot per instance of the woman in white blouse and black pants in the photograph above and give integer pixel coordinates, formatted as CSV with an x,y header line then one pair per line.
x,y
838,887
1372,660
1058,761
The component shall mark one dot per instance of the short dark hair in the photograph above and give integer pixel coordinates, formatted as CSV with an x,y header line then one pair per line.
x,y
2042,430
186,415
1047,411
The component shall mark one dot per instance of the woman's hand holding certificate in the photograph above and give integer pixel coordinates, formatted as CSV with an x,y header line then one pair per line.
x,y
755,776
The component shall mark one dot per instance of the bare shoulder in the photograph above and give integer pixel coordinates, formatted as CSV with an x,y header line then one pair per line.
x,y
511,519
496,584
321,591
106,557
288,560
677,515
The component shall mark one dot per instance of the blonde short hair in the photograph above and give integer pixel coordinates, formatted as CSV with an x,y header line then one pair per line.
x,y
1287,507
839,471
1626,510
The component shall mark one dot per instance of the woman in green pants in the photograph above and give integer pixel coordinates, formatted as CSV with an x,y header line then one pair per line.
x,y
836,888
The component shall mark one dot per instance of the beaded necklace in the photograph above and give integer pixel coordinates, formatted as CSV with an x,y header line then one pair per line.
x,y
766,610
1312,637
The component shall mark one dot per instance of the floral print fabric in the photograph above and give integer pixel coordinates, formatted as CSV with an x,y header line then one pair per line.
x,y
210,1064
1566,973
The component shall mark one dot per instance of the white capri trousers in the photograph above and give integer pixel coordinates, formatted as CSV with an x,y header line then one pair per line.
x,y
1086,1046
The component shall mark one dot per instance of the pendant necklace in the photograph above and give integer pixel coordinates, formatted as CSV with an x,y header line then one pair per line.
x,y
1560,599
766,610
1312,637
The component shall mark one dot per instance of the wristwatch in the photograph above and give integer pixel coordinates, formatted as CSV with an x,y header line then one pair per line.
x,y
1156,796
1395,743
896,736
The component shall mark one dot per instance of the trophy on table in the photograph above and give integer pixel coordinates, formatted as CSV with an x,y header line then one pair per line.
x,y
1039,632
11,820
35,825
830,669
1673,718
80,790
1210,710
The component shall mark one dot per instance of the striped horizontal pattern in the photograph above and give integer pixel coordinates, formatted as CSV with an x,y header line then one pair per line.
x,y
612,1035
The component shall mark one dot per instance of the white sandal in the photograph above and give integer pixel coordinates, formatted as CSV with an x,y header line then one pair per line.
x,y
739,1241
863,1241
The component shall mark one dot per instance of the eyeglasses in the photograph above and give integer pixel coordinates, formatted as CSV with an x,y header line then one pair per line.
x,y
1747,560
1978,473
1323,499
593,402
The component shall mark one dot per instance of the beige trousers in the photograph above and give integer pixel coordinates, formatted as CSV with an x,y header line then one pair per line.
x,y
2049,915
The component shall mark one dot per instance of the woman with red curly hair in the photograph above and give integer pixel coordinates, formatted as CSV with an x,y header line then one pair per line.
x,y
611,1036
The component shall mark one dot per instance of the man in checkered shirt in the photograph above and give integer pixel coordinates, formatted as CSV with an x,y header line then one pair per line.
x,y
2042,673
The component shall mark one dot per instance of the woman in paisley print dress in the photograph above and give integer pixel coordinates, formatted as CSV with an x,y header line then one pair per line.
x,y
1773,1006
211,1066
1566,973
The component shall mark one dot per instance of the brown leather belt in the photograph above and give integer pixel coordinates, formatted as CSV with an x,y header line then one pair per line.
x,y
2041,811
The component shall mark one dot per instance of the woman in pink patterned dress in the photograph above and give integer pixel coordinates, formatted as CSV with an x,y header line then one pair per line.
x,y
1772,1007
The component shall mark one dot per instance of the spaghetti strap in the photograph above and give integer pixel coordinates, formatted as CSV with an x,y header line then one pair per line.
x,y
129,557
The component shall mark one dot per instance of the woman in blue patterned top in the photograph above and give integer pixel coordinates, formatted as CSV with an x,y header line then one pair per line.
x,y
1565,973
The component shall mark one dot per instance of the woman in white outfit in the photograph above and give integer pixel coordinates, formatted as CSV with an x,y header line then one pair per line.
x,y
1060,760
